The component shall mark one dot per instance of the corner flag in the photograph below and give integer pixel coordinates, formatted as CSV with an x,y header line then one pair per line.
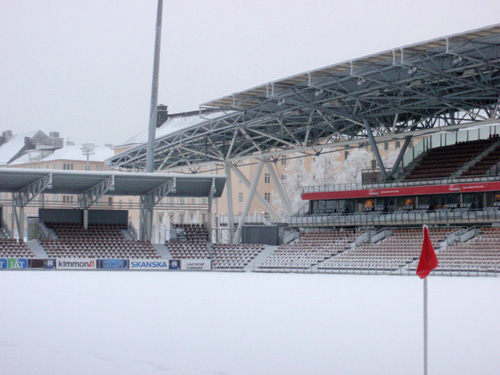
x,y
428,260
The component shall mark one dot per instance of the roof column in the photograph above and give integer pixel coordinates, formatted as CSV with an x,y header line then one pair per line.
x,y
279,187
246,208
25,195
148,201
395,167
375,149
229,196
259,197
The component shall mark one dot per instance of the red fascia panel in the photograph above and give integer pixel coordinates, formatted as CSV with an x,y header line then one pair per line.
x,y
404,191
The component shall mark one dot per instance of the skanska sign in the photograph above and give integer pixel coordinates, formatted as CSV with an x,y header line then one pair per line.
x,y
149,264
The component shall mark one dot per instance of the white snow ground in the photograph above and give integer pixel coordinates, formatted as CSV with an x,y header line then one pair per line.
x,y
244,323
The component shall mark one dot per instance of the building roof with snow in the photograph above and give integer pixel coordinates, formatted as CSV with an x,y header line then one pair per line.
x,y
13,147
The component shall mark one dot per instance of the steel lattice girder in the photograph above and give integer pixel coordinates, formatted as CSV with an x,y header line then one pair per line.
x,y
91,195
440,85
25,195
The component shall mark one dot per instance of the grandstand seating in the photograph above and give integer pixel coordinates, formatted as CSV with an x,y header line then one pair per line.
x,y
99,241
308,250
191,242
12,248
231,257
390,254
480,254
442,162
482,167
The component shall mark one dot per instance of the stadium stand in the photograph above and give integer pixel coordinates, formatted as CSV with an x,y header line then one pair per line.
x,y
442,162
99,241
389,254
229,257
311,248
479,254
12,248
484,165
190,242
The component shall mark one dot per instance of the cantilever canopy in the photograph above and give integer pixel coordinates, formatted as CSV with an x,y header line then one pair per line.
x,y
133,184
443,84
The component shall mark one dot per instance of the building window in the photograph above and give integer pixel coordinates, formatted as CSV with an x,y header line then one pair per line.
x,y
110,201
193,200
98,167
266,215
411,144
240,197
267,178
346,155
397,145
181,219
205,200
267,197
283,160
182,201
120,203
68,167
283,177
130,203
374,164
203,218
386,146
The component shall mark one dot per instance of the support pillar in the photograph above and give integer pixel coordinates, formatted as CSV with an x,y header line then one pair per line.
x,y
279,188
85,219
259,197
229,197
400,156
209,218
375,149
248,203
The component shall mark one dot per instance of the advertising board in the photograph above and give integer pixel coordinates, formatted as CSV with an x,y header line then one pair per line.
x,y
76,264
196,264
174,264
149,264
3,264
113,264
17,264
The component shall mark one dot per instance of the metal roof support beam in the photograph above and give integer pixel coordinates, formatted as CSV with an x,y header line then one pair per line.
x,y
279,187
375,149
395,167
26,194
90,196
251,194
209,216
148,202
229,197
259,197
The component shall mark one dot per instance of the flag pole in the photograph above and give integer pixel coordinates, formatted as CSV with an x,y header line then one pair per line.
x,y
425,326
428,261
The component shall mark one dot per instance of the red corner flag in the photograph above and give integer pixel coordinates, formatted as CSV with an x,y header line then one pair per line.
x,y
428,260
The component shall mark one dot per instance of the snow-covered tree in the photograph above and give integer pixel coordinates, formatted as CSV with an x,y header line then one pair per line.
x,y
390,158
294,177
349,171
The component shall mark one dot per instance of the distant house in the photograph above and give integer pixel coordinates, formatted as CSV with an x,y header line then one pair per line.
x,y
14,146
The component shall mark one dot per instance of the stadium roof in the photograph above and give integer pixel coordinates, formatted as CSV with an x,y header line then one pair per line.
x,y
133,184
443,84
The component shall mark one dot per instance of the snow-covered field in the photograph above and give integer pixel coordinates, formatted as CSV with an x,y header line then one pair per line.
x,y
224,323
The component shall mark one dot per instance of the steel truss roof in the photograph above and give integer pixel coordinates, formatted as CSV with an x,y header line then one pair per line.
x,y
443,84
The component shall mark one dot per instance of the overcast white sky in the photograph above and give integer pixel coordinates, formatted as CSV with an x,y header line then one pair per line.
x,y
84,67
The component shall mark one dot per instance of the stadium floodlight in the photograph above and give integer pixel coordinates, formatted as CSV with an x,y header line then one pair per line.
x,y
88,149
